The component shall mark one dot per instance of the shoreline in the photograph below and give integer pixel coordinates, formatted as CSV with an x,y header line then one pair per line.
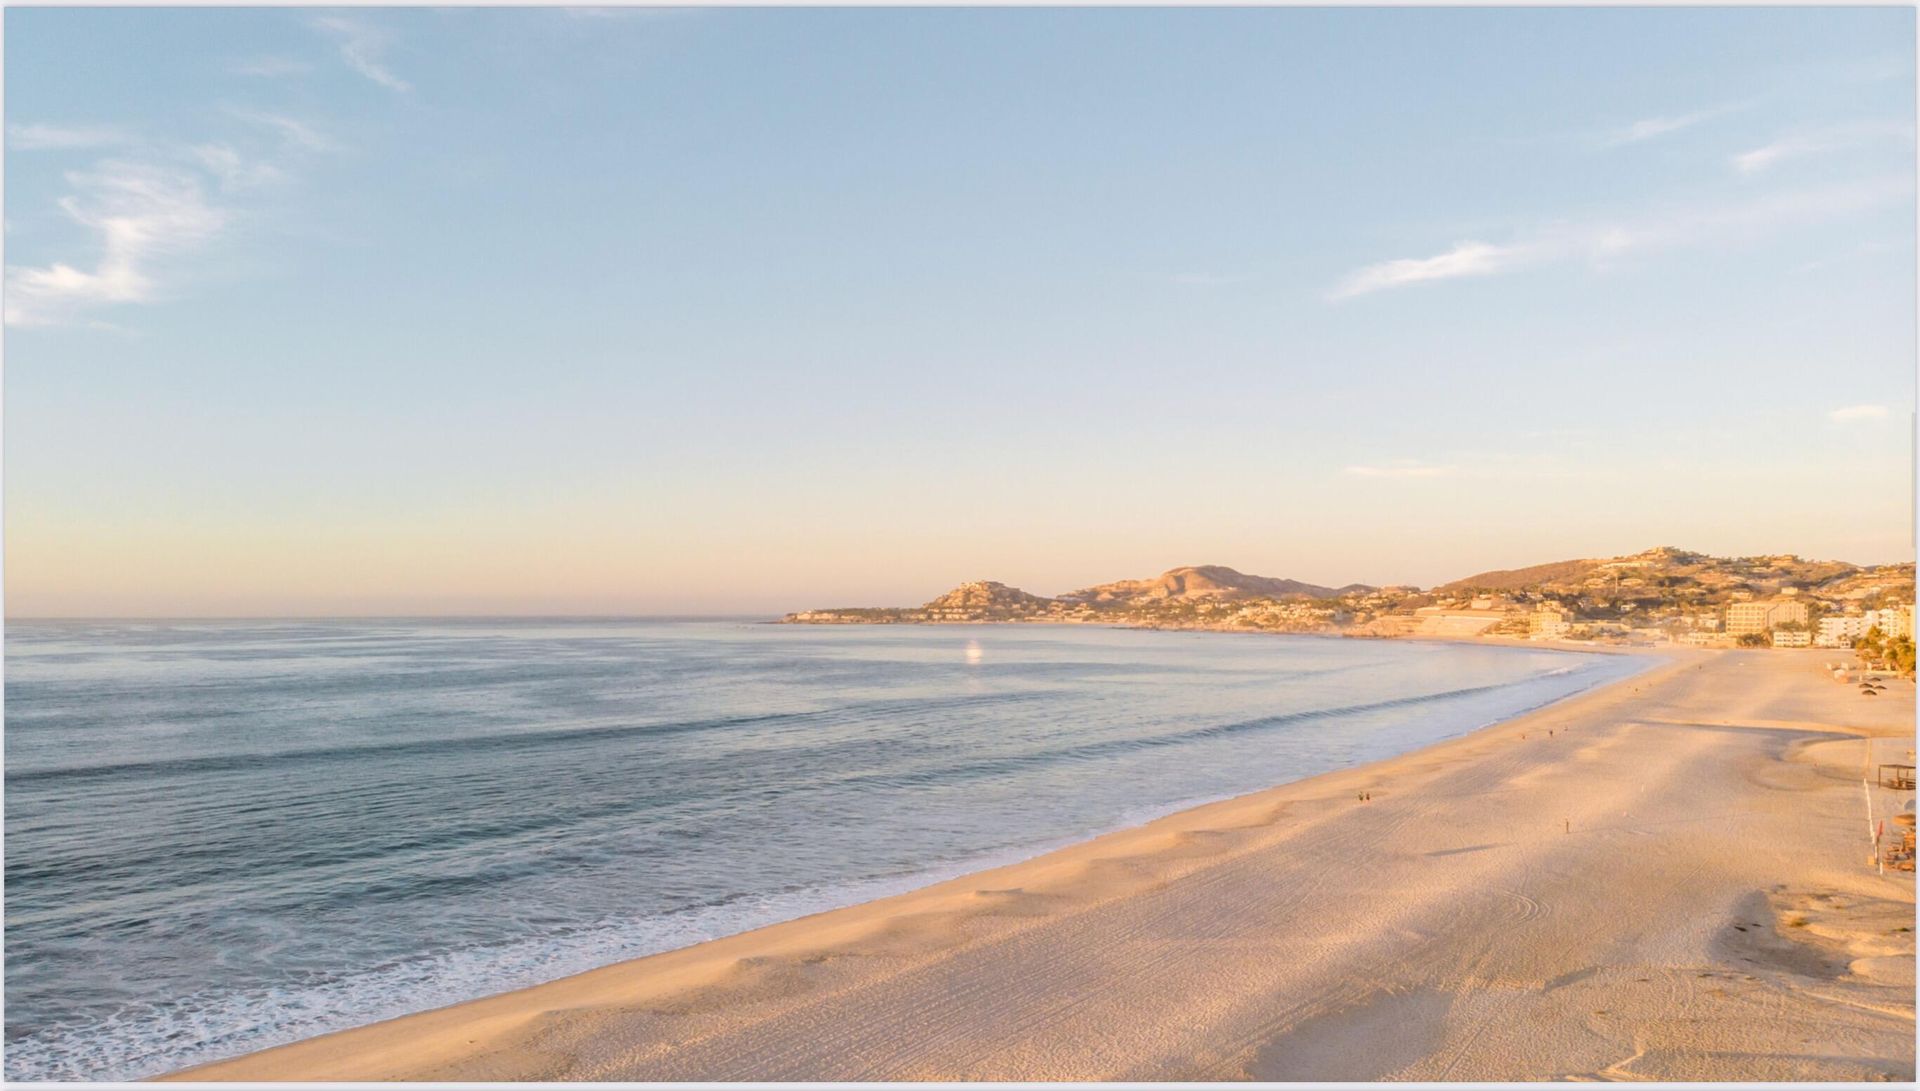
x,y
1499,641
966,869
641,1010
475,973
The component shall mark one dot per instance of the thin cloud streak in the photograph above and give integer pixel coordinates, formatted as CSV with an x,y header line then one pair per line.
x,y
1466,259
1805,143
138,214
293,132
361,46
61,137
236,171
1858,412
1653,127
142,212
1865,249
1759,159
1601,243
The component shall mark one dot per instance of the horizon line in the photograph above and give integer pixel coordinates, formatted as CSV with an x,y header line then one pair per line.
x,y
756,615
672,616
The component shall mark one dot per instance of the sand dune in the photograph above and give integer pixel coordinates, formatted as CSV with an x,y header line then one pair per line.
x,y
1670,885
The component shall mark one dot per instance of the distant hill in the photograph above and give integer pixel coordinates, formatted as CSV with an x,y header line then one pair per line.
x,y
1207,581
1664,586
987,597
1516,579
1679,575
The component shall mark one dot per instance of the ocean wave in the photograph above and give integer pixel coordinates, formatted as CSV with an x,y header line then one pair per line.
x,y
145,1040
169,908
508,742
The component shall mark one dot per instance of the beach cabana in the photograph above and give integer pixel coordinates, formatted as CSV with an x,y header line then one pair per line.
x,y
1899,849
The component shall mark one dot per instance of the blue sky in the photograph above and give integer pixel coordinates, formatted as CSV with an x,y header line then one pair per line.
x,y
316,311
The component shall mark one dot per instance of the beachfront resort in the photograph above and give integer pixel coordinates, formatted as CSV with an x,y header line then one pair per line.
x,y
1661,596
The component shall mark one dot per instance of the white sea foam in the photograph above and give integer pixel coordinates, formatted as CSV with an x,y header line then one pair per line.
x,y
602,800
149,1040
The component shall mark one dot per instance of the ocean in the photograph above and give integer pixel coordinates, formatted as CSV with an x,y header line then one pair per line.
x,y
222,836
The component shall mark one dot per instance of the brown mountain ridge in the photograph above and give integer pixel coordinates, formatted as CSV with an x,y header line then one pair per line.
x,y
1656,587
1205,581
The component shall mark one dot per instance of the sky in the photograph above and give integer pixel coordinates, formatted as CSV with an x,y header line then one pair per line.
x,y
430,311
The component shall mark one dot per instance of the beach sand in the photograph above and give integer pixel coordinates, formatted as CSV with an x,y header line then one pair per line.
x,y
1673,884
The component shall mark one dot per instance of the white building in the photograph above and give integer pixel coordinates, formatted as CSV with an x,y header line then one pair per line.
x,y
1791,638
1894,621
1840,631
1549,622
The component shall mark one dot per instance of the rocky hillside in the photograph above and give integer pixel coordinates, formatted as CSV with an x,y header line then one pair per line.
x,y
1681,577
985,599
980,600
1207,581
1659,588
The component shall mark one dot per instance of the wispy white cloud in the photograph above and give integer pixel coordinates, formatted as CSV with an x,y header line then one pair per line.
x,y
1652,127
38,137
1465,259
1759,159
1865,249
1602,243
1806,142
1894,66
292,131
1403,467
145,208
234,170
270,67
138,214
1858,412
363,46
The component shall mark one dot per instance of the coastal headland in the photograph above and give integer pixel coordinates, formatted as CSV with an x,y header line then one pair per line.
x,y
1657,596
1667,878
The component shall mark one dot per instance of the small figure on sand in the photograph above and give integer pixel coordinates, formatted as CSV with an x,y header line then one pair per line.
x,y
1569,825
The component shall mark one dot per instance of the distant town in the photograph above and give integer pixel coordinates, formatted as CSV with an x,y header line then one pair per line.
x,y
1660,596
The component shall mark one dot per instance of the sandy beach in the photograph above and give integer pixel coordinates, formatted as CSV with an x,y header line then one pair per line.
x,y
1664,879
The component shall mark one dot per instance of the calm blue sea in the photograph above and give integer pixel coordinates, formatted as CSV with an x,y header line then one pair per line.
x,y
227,835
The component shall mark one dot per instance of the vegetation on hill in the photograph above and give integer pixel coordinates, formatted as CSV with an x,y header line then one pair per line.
x,y
1659,592
1679,577
1207,581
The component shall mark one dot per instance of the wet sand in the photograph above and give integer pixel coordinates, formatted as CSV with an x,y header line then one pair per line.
x,y
1663,879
